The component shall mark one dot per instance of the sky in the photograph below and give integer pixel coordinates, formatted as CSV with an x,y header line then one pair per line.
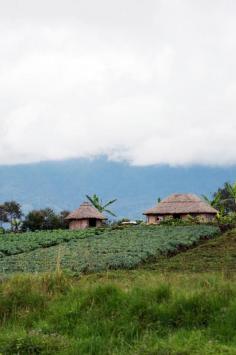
x,y
147,82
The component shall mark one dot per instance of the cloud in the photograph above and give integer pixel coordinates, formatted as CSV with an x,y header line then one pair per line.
x,y
149,83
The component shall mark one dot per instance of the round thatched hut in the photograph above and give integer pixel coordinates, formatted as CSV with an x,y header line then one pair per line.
x,y
181,206
84,217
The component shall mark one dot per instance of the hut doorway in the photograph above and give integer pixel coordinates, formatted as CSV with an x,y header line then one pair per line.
x,y
176,216
92,222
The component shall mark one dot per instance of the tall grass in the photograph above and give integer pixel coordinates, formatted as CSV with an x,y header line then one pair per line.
x,y
55,314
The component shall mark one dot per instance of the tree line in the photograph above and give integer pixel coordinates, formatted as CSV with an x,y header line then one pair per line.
x,y
224,200
42,219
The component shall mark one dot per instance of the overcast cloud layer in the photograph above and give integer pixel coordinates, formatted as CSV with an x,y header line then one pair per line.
x,y
144,81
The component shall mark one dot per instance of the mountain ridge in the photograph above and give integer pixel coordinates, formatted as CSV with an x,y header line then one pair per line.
x,y
64,184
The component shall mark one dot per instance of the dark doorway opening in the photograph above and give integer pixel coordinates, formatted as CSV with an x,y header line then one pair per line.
x,y
176,216
92,222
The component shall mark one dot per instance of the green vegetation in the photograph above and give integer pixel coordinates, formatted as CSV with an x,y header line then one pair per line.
x,y
13,244
218,254
122,312
96,250
224,199
166,290
169,305
11,212
45,219
98,204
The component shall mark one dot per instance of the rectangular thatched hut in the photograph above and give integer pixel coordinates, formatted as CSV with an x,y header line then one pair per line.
x,y
181,206
84,217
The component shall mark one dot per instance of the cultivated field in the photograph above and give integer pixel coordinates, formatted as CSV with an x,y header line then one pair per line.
x,y
95,250
181,304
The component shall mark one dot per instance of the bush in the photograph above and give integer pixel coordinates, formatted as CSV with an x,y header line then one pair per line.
x,y
226,222
188,221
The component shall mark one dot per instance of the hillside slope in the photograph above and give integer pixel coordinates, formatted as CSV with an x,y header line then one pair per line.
x,y
217,254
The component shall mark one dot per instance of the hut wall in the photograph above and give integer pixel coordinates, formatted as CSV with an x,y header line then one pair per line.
x,y
210,217
204,217
82,224
151,219
99,223
79,224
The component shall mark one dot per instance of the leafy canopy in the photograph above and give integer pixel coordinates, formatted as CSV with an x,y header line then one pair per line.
x,y
98,204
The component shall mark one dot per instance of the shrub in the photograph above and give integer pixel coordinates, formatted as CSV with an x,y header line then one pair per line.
x,y
226,222
23,343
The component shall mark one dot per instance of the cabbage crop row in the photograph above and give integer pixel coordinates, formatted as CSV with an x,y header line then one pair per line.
x,y
86,251
12,243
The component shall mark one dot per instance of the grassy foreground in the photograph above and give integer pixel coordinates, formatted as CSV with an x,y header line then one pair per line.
x,y
118,312
179,305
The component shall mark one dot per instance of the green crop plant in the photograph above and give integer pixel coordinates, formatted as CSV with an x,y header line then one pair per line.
x,y
88,251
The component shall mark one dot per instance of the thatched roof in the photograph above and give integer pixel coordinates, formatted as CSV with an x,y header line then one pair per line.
x,y
181,204
86,210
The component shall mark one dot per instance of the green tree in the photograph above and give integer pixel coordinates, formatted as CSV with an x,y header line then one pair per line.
x,y
33,220
3,215
98,204
224,199
227,200
45,219
64,224
50,219
215,202
41,219
231,189
14,214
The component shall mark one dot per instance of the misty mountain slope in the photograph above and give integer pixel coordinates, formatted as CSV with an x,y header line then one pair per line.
x,y
64,184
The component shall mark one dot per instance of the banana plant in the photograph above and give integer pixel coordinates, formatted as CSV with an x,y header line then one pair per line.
x,y
16,225
215,202
98,204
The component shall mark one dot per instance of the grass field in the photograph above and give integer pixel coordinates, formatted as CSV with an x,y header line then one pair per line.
x,y
180,304
218,254
118,312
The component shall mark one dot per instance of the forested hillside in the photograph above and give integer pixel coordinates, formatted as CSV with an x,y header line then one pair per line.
x,y
63,185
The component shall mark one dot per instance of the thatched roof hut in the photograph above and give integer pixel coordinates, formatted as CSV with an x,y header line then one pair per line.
x,y
179,206
85,216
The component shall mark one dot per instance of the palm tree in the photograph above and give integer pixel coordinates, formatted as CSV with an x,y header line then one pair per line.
x,y
98,204
215,202
231,189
